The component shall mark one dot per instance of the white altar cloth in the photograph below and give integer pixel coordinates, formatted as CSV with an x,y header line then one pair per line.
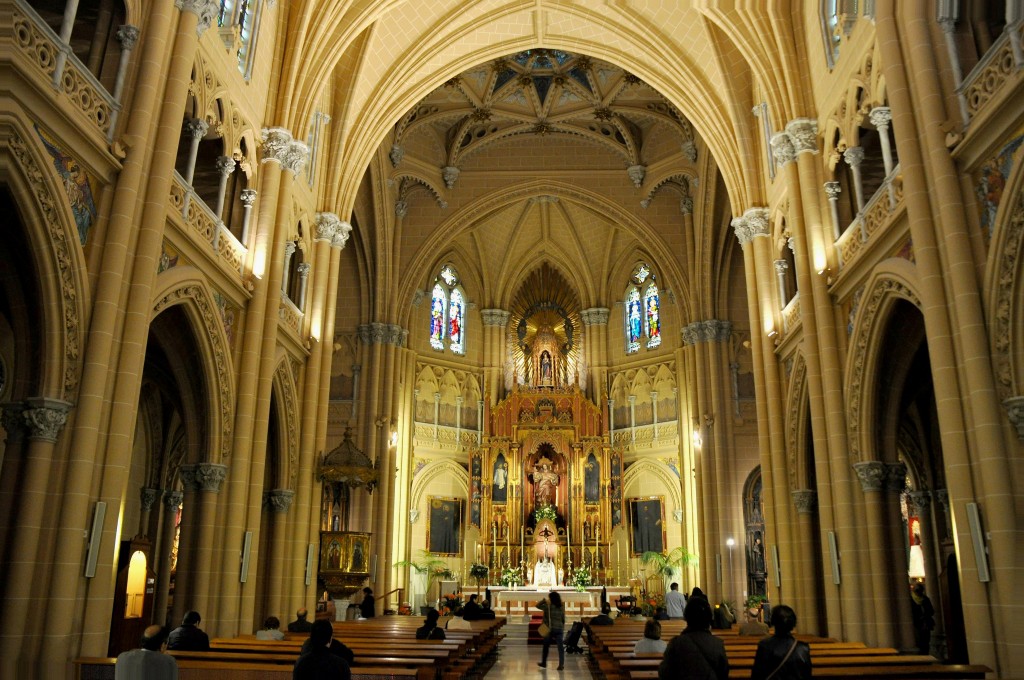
x,y
528,597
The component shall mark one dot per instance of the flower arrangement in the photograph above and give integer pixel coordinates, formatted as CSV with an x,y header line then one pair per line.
x,y
511,577
545,512
581,578
451,604
479,572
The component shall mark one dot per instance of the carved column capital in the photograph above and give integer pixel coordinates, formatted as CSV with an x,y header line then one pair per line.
x,y
739,225
919,501
689,149
595,316
12,419
225,165
278,500
196,128
45,418
203,476
396,155
401,208
205,10
854,156
295,156
942,498
880,117
304,269
804,133
783,149
757,221
325,226
148,497
495,317
686,205
341,235
781,266
173,499
871,474
248,197
275,144
805,500
895,477
128,36
832,190
1015,411
689,334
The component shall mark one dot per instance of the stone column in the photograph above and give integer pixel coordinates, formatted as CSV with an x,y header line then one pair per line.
x,y
895,481
225,166
303,270
854,156
804,501
880,117
248,198
781,267
278,502
13,423
632,418
289,251
654,410
235,506
595,320
196,129
206,480
165,66
44,419
495,322
872,476
437,413
148,497
308,489
162,563
66,27
832,190
127,35
458,423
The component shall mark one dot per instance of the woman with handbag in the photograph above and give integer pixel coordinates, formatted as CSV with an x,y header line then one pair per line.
x,y
781,656
551,627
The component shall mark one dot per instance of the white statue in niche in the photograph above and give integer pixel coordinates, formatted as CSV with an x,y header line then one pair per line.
x,y
544,574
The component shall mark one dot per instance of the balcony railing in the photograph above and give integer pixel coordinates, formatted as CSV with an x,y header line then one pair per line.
x,y
203,224
988,76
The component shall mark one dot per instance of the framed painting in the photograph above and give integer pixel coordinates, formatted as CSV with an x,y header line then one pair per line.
x,y
647,525
344,551
444,525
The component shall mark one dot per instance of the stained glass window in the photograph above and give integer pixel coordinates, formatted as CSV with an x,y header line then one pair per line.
x,y
437,329
634,322
455,322
651,304
640,273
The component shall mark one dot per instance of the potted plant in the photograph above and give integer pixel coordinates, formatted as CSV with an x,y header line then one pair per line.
x,y
580,578
545,512
429,568
510,577
479,572
668,565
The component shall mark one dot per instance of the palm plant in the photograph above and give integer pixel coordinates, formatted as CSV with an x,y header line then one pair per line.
x,y
667,564
429,565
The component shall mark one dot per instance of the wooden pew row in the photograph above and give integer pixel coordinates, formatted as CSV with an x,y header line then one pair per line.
x,y
933,671
102,668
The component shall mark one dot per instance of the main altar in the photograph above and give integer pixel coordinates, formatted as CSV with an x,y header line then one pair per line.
x,y
545,484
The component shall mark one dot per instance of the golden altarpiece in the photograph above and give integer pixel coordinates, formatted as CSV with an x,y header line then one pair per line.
x,y
546,486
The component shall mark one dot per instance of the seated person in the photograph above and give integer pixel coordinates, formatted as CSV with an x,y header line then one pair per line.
x,y
187,637
460,622
336,647
300,624
604,618
637,614
318,662
752,626
271,630
486,613
651,642
147,661
430,630
472,609
661,614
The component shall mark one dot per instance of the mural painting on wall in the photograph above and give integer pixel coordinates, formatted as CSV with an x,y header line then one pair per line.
x,y
616,490
169,258
647,524
444,526
78,185
592,480
499,480
991,181
475,495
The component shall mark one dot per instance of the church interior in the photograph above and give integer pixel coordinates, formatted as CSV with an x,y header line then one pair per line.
x,y
299,297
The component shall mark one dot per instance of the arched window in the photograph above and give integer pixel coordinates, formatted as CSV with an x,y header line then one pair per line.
x,y
642,310
448,312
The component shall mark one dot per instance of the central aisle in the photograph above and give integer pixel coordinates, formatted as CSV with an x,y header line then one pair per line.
x,y
518,660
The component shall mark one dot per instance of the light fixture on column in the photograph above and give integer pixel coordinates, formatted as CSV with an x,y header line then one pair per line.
x,y
394,437
697,442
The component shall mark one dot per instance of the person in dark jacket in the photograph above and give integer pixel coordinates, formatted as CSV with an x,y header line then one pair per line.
x,y
430,630
472,610
188,638
367,608
300,624
923,613
604,618
695,654
554,618
318,663
336,647
781,656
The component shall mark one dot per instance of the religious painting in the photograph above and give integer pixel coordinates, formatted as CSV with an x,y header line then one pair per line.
x,y
592,479
475,493
499,480
344,551
444,526
78,185
615,489
647,525
634,321
455,321
653,316
437,302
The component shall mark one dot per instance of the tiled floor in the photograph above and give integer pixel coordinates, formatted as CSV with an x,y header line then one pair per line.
x,y
518,660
